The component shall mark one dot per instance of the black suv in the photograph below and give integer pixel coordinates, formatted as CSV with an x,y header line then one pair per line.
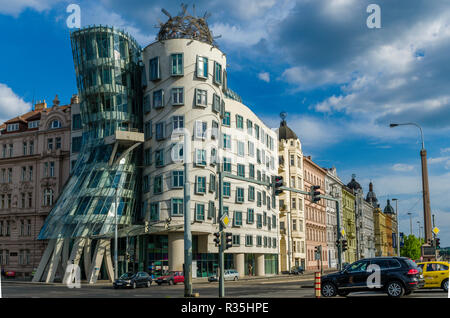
x,y
398,276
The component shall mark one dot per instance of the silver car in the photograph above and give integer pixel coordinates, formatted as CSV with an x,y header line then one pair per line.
x,y
229,274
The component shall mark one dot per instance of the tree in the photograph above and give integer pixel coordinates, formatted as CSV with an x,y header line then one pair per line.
x,y
412,246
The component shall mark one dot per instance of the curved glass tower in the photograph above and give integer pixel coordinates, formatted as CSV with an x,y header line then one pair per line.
x,y
104,186
109,81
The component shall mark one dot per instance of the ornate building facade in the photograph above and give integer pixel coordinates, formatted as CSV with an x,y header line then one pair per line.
x,y
292,218
34,166
348,218
315,214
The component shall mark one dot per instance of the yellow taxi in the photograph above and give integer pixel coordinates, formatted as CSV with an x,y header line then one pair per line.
x,y
436,274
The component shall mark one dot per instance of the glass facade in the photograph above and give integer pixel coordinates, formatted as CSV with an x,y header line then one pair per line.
x,y
108,72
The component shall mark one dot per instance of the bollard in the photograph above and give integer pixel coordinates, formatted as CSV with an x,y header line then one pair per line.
x,y
317,284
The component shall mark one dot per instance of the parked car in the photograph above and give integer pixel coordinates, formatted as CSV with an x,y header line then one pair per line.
x,y
228,274
172,278
133,280
296,270
435,274
398,276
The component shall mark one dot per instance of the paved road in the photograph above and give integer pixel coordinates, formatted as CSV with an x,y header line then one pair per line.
x,y
270,288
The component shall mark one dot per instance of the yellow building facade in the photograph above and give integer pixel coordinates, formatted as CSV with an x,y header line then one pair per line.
x,y
348,218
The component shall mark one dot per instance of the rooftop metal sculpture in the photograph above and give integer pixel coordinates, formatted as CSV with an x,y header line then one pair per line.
x,y
185,26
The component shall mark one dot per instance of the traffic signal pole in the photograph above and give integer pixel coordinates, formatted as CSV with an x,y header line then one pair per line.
x,y
222,239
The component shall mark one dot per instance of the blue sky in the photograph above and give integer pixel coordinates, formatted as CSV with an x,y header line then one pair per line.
x,y
340,82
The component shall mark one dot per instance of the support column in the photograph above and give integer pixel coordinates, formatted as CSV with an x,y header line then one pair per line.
x,y
260,265
75,256
54,261
44,261
176,251
108,261
87,255
239,263
96,261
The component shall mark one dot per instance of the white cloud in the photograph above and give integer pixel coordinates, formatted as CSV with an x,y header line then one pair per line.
x,y
11,105
16,7
401,167
264,76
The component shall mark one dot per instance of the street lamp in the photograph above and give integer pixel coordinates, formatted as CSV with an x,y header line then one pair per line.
x,y
418,225
410,223
398,234
116,266
425,187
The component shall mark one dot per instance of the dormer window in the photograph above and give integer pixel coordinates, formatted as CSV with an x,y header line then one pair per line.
x,y
33,124
13,127
55,124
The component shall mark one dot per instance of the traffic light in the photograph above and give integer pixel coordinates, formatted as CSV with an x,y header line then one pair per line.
x,y
228,240
278,182
344,245
438,242
217,239
315,194
146,227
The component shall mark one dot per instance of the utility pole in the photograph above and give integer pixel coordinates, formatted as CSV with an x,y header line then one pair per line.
x,y
398,234
187,220
339,247
410,223
222,239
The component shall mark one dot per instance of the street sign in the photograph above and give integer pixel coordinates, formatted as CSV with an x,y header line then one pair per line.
x,y
343,232
225,220
436,231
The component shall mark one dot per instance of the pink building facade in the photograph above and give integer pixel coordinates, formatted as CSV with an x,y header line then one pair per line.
x,y
34,166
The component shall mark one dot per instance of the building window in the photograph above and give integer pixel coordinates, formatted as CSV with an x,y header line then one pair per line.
x,y
274,221
146,185
76,143
178,96
239,122
30,199
11,150
226,141
212,183
52,168
217,73
24,148
241,170
239,195
157,185
31,145
236,239
251,171
154,73
202,67
226,189
216,103
200,157
213,158
241,151
200,129
159,158
50,144
259,221
154,211
76,122
250,216
13,127
227,164
177,206
24,173
58,142
148,156
259,240
177,179
249,127
48,197
159,129
146,103
148,130
211,210
55,124
177,122
177,64
201,97
10,175
215,130
258,198
34,124
199,212
226,119
158,99
200,185
248,240
237,219
251,193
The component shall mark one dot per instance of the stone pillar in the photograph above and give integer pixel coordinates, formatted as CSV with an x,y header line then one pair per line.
x,y
260,265
239,263
176,251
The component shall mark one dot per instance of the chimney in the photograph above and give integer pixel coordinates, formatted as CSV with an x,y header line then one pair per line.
x,y
40,105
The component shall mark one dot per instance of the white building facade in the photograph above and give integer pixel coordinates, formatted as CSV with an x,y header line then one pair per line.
x,y
333,187
186,90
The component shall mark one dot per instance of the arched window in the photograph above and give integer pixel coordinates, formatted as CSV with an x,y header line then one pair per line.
x,y
55,124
